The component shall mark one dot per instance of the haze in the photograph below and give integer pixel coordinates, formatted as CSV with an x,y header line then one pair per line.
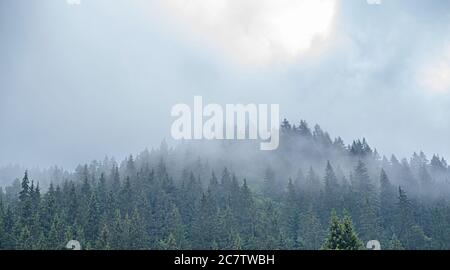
x,y
78,82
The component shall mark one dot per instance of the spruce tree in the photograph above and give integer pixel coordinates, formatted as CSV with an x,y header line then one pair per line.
x,y
103,240
290,214
25,201
311,233
369,227
331,189
388,200
341,235
395,244
362,181
177,234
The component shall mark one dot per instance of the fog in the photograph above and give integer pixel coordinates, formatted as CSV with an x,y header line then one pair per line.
x,y
78,82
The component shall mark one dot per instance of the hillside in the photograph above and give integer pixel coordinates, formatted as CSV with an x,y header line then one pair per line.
x,y
231,195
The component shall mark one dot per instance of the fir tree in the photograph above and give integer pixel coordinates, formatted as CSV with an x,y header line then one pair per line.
x,y
341,235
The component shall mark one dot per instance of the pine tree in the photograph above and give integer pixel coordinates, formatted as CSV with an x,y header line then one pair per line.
x,y
237,242
225,228
395,244
331,188
388,199
313,185
131,167
115,179
126,197
311,233
426,181
405,215
86,188
170,243
362,182
71,201
290,214
341,235
246,215
56,235
25,192
440,229
334,239
214,188
268,229
137,236
304,130
103,241
177,232
25,239
35,197
9,237
203,234
117,232
93,216
417,239
350,238
407,177
410,233
25,201
191,192
270,188
286,126
369,228
2,213
102,194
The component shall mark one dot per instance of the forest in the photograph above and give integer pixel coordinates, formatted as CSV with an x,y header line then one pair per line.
x,y
313,193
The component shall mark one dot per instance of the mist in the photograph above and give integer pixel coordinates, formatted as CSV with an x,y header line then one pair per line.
x,y
81,82
86,151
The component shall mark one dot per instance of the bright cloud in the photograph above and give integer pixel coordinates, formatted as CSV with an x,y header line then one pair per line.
x,y
435,77
256,32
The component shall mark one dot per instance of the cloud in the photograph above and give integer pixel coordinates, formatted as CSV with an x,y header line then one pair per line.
x,y
362,77
256,32
435,77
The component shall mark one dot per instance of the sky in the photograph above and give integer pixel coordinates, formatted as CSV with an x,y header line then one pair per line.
x,y
81,79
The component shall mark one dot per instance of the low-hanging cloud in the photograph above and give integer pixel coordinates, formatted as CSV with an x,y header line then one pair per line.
x,y
79,82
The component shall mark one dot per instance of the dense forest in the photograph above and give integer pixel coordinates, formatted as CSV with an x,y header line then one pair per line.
x,y
312,193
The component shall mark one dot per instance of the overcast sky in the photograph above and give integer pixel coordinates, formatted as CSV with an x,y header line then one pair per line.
x,y
81,81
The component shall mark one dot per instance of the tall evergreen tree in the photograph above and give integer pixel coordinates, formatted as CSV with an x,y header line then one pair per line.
x,y
290,213
311,233
341,235
331,189
25,202
388,199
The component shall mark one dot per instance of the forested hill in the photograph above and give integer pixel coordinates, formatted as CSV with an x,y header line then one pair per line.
x,y
313,192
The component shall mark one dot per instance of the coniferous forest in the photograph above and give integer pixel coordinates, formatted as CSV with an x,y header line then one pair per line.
x,y
312,193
